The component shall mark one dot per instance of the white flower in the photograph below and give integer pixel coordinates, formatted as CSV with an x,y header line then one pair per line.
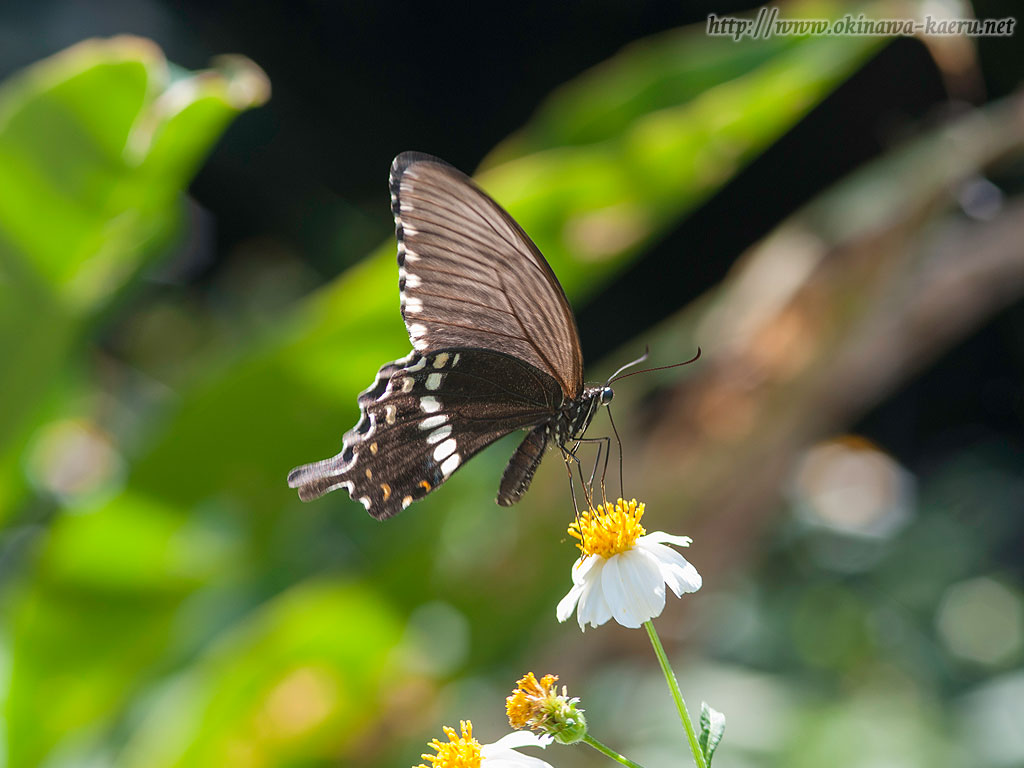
x,y
622,573
463,751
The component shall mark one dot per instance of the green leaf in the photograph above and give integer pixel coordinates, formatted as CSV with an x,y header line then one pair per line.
x,y
97,144
99,610
712,726
101,139
679,66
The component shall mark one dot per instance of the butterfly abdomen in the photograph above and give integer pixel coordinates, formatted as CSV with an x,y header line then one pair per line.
x,y
522,465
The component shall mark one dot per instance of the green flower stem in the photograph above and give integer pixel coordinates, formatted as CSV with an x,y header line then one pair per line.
x,y
588,739
670,677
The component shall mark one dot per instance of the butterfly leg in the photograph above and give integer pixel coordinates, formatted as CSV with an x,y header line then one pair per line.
x,y
604,469
593,472
618,440
567,457
587,487
604,446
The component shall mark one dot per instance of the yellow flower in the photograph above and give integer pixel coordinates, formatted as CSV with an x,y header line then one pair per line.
x,y
610,529
459,752
463,751
538,705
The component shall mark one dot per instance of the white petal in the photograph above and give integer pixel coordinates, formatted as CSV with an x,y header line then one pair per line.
x,y
502,754
508,758
568,603
660,537
678,573
634,588
582,567
643,565
581,572
681,579
593,608
518,739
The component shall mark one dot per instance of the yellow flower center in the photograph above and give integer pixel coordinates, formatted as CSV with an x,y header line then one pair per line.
x,y
459,751
610,529
526,706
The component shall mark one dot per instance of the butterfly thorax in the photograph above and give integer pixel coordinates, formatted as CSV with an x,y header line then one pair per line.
x,y
576,414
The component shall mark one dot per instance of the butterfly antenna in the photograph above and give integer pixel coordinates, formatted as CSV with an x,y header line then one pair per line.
x,y
658,368
614,377
644,356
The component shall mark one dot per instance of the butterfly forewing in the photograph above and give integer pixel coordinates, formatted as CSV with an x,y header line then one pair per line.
x,y
471,278
422,418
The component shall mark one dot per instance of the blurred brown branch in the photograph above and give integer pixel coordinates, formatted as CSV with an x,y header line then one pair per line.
x,y
818,323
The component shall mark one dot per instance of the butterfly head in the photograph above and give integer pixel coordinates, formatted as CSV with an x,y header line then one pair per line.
x,y
606,395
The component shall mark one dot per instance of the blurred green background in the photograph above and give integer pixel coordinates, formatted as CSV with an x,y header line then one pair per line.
x,y
195,283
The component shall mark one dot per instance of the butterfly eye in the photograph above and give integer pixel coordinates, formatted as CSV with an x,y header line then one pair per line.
x,y
606,395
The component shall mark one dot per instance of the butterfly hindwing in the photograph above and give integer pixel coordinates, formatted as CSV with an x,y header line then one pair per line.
x,y
471,277
423,417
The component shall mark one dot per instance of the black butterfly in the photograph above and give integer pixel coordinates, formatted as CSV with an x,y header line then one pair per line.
x,y
495,349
